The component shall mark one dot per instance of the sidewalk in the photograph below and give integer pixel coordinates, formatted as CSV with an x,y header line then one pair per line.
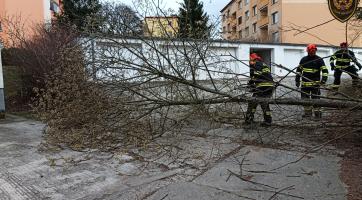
x,y
203,163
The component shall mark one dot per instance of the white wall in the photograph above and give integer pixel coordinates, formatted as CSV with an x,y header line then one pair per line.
x,y
220,56
47,12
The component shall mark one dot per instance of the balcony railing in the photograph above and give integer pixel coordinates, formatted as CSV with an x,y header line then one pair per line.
x,y
263,3
262,22
231,21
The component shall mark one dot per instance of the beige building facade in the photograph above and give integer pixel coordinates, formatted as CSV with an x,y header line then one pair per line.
x,y
163,27
27,13
281,21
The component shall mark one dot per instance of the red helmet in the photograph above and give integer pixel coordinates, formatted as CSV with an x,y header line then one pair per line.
x,y
311,48
254,56
343,45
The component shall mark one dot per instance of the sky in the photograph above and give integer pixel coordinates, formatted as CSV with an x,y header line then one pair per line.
x,y
211,7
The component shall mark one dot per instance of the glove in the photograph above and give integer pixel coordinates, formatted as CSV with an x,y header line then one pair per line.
x,y
251,86
333,66
324,80
297,84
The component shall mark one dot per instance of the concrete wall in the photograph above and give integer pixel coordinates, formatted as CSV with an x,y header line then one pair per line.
x,y
219,56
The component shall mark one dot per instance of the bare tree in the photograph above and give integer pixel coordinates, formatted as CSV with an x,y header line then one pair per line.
x,y
142,87
120,20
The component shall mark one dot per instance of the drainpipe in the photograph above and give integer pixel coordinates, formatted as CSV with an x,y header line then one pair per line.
x,y
2,99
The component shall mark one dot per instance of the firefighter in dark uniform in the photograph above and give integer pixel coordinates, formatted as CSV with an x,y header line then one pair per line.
x,y
310,68
261,82
341,62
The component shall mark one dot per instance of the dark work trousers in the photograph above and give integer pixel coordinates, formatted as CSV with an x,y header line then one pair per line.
x,y
351,70
311,93
261,92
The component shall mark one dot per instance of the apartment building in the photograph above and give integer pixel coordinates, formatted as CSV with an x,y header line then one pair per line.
x,y
27,13
280,21
161,26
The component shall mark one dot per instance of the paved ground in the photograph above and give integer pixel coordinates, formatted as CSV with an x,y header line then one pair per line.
x,y
204,163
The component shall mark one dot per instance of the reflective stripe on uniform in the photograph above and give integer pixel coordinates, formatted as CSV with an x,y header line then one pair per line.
x,y
323,67
343,60
309,70
341,67
267,113
325,74
312,83
335,86
266,70
266,84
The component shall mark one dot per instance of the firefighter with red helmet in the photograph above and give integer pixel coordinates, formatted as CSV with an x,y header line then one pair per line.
x,y
341,62
309,70
262,83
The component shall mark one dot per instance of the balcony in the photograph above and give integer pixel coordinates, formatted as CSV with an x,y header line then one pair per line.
x,y
263,22
262,4
232,21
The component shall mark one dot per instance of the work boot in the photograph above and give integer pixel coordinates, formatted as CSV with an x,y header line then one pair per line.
x,y
249,119
248,122
267,121
334,89
318,114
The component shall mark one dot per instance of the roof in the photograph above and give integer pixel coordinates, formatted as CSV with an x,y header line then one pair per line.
x,y
227,5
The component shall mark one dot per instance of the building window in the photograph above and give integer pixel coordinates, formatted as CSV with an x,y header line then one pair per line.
x,y
247,2
255,11
240,5
228,29
247,15
228,14
223,17
224,29
254,28
275,36
274,1
240,20
234,30
275,18
240,34
233,16
247,31
1,28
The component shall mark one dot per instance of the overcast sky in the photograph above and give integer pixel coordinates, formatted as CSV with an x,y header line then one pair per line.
x,y
211,7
